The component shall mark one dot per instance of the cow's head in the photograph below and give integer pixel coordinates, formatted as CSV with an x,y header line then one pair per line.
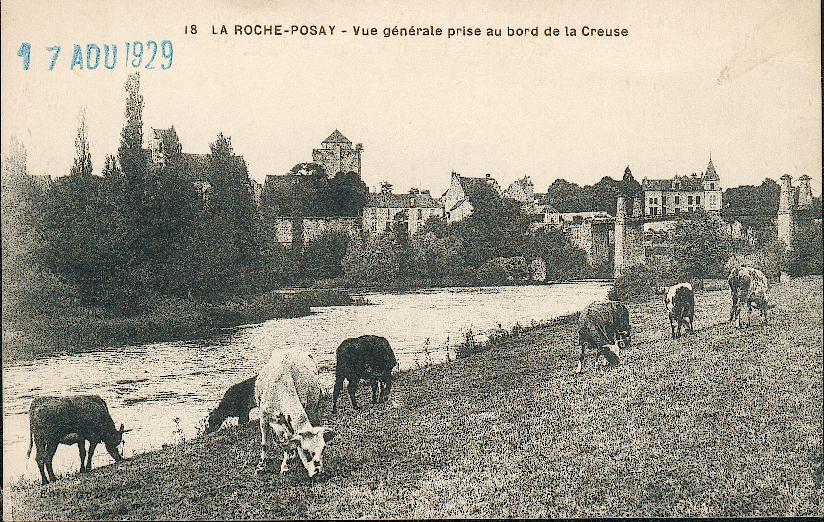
x,y
612,352
216,418
113,441
309,445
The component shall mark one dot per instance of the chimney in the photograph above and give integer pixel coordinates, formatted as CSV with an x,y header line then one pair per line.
x,y
488,175
805,193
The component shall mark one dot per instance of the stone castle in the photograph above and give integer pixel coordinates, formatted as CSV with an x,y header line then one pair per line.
x,y
794,208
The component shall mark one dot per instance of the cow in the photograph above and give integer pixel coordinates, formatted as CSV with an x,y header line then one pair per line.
x,y
366,357
680,302
71,420
605,327
288,393
748,287
238,401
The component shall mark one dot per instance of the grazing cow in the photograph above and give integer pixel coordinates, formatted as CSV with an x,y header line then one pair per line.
x,y
71,420
238,401
680,303
749,287
288,393
366,357
605,327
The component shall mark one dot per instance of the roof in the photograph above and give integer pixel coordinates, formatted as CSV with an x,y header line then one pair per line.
x,y
337,137
162,133
711,175
474,186
389,200
685,183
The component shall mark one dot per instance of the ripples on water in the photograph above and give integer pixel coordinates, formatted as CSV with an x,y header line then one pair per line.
x,y
165,390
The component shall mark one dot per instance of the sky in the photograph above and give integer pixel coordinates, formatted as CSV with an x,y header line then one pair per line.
x,y
737,79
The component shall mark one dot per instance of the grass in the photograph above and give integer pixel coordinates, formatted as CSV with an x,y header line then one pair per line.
x,y
723,422
164,319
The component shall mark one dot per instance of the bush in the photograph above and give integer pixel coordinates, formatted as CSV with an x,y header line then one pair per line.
x,y
638,280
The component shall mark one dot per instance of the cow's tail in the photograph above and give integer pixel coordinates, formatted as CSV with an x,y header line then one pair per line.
x,y
31,444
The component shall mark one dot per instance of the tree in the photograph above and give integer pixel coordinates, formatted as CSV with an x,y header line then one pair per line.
x,y
322,257
83,159
805,258
498,227
226,253
753,206
702,246
373,260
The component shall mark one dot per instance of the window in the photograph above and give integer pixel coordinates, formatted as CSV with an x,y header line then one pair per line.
x,y
677,210
689,200
677,198
420,214
650,201
664,199
697,200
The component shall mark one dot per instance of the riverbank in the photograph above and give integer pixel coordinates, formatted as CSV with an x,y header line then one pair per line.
x,y
723,422
164,319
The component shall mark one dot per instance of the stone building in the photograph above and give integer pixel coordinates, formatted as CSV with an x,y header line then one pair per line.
x,y
595,235
336,154
683,193
385,209
523,191
456,199
629,225
794,208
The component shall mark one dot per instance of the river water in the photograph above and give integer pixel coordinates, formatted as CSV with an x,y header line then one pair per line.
x,y
164,391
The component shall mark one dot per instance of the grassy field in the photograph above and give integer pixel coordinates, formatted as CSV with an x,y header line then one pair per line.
x,y
724,422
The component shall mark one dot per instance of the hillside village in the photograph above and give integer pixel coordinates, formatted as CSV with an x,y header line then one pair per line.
x,y
640,228
654,202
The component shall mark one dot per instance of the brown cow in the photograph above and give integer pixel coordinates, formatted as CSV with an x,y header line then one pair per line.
x,y
749,287
71,420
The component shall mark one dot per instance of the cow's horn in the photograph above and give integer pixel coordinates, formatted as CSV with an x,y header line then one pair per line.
x,y
121,428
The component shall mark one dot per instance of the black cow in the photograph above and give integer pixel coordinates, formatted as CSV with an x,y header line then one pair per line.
x,y
680,303
71,420
366,357
238,401
605,327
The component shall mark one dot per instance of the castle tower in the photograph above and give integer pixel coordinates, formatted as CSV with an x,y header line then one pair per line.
x,y
712,189
620,227
338,155
784,221
805,193
629,226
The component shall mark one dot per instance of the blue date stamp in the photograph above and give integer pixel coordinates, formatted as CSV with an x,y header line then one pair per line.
x,y
137,54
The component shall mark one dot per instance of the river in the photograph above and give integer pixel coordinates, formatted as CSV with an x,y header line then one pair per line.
x,y
164,391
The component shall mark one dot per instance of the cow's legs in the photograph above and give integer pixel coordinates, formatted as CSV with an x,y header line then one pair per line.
x,y
81,448
734,307
749,314
375,387
40,459
288,454
92,447
353,389
336,392
672,325
387,385
51,449
264,441
584,347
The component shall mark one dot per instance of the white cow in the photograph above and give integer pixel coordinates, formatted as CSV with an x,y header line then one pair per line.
x,y
288,394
